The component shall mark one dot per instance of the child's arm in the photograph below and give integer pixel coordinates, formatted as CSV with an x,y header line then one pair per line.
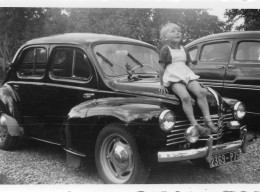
x,y
162,89
163,63
189,61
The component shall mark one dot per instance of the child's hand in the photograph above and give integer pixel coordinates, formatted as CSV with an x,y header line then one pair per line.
x,y
163,90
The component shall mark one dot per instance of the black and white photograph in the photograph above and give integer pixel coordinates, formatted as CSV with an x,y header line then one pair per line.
x,y
162,96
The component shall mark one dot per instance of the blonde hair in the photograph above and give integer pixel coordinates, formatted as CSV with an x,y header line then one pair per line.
x,y
165,30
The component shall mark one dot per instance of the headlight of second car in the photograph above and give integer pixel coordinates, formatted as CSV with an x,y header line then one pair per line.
x,y
167,120
239,110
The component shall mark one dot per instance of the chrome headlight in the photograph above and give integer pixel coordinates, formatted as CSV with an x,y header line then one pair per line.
x,y
167,120
239,110
192,134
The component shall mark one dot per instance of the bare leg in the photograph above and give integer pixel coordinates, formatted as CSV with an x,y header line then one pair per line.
x,y
200,93
181,90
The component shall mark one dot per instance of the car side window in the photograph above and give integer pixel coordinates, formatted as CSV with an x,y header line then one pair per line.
x,y
215,52
82,65
33,63
193,53
248,51
70,63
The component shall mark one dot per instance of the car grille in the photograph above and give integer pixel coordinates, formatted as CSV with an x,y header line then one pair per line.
x,y
176,136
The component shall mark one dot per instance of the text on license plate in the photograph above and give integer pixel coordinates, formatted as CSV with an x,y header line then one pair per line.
x,y
219,160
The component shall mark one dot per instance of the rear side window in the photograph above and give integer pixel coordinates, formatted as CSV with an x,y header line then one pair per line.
x,y
248,51
67,62
33,63
215,52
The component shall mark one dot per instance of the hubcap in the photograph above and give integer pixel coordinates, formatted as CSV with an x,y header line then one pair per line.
x,y
117,159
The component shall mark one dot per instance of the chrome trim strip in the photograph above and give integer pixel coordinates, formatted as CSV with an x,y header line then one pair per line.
x,y
214,93
178,126
175,139
174,143
230,85
172,135
26,82
50,142
53,85
71,87
74,153
70,79
253,113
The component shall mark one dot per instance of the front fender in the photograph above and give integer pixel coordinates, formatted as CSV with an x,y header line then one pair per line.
x,y
10,115
125,109
85,120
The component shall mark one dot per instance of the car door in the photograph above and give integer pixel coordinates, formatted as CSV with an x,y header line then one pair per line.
x,y
212,59
242,79
28,81
71,81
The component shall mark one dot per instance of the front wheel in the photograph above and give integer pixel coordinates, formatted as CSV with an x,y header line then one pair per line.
x,y
117,157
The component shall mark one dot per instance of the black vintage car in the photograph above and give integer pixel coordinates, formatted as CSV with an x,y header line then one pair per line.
x,y
98,96
230,63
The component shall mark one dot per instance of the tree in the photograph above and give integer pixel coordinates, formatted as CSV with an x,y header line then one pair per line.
x,y
133,23
144,24
251,18
55,21
19,25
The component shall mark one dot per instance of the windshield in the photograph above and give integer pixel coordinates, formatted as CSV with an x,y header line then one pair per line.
x,y
126,59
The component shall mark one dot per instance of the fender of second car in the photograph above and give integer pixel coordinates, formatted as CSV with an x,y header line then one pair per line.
x,y
10,115
139,114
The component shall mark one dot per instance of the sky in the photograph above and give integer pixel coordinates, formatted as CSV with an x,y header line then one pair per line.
x,y
218,12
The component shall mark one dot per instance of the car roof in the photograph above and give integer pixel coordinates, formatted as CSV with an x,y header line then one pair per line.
x,y
227,35
81,39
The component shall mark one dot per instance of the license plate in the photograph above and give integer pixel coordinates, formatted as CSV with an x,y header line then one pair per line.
x,y
222,159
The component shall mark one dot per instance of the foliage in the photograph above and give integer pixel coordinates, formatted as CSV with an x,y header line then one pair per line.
x,y
22,24
55,21
133,23
251,18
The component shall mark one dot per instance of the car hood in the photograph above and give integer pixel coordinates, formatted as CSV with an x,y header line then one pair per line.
x,y
149,87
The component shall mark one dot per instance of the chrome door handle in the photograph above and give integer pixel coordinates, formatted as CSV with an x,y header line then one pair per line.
x,y
221,66
88,95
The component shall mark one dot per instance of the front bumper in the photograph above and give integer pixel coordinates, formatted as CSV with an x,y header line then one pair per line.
x,y
205,152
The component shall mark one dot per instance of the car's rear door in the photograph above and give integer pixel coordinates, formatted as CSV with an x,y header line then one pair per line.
x,y
28,81
212,59
242,79
71,81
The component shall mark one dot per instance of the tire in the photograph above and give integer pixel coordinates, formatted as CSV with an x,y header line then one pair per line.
x,y
7,141
117,157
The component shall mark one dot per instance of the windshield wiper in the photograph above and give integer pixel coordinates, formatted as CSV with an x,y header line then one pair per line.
x,y
134,59
104,59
